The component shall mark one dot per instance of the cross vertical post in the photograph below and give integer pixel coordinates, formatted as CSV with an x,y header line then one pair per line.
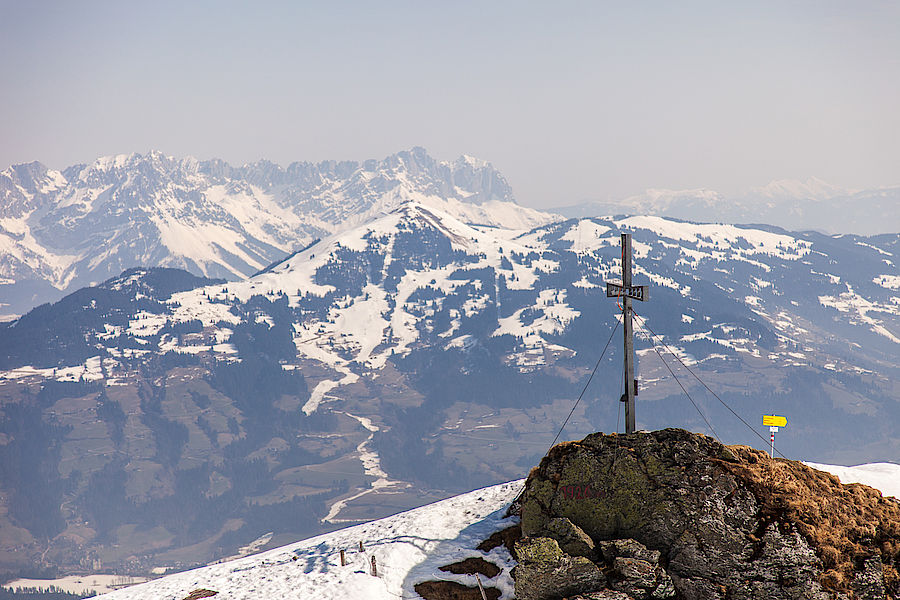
x,y
627,293
628,326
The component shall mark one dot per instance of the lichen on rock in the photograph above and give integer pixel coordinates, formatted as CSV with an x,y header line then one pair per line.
x,y
545,572
571,538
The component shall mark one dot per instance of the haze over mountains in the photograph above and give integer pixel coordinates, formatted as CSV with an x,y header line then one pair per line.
x,y
812,204
430,342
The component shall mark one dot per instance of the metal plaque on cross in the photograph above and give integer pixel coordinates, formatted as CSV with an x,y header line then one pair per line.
x,y
636,292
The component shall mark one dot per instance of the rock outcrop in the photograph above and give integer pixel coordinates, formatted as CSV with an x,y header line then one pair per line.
x,y
671,514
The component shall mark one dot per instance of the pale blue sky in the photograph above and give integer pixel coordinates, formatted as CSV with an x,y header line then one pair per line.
x,y
570,100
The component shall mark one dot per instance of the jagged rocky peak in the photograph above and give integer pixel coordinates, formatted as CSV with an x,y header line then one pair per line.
x,y
29,176
466,178
25,187
134,168
672,514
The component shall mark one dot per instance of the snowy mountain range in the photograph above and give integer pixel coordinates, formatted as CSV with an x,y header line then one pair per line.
x,y
812,204
431,342
61,230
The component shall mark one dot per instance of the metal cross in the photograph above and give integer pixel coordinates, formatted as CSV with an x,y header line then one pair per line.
x,y
627,292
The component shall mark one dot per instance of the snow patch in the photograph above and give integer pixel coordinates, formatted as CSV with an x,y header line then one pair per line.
x,y
891,282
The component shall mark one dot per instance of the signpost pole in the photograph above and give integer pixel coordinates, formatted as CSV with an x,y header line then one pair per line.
x,y
772,445
773,422
629,334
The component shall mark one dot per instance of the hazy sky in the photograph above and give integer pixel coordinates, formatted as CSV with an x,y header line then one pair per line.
x,y
569,100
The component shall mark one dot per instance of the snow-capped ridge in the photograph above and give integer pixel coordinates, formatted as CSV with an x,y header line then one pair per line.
x,y
362,313
32,178
812,188
657,198
92,221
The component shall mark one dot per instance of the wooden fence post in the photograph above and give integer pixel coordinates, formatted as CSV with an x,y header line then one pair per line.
x,y
480,587
374,567
343,559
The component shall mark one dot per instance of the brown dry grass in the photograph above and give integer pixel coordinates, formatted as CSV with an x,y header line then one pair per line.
x,y
450,590
201,593
505,537
843,523
472,565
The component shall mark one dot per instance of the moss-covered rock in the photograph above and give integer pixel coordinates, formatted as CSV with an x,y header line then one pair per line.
x,y
545,572
571,538
641,580
538,550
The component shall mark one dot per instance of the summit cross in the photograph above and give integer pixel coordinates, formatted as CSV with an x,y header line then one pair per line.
x,y
627,292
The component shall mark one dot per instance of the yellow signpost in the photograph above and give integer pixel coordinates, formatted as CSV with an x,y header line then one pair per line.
x,y
773,422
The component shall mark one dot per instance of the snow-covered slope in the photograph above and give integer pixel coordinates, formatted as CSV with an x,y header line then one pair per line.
x,y
408,549
397,274
881,476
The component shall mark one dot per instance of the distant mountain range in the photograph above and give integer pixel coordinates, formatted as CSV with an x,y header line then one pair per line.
x,y
430,342
61,230
795,205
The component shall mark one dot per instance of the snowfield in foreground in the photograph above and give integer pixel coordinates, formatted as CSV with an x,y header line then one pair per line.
x,y
408,549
